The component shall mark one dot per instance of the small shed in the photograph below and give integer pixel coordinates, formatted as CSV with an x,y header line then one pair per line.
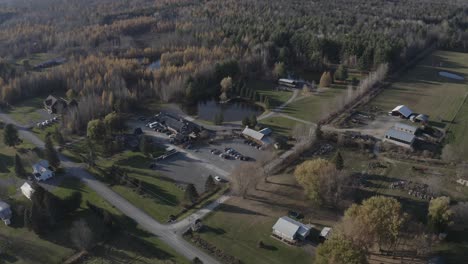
x,y
5,212
27,190
325,233
290,230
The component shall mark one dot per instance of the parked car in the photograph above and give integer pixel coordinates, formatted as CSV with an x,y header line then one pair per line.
x,y
294,214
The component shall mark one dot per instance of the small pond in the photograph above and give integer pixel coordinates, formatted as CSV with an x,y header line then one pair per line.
x,y
155,65
234,110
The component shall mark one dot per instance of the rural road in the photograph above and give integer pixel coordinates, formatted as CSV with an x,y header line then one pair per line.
x,y
164,232
281,107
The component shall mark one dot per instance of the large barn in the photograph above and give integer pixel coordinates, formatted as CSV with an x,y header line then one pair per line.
x,y
402,111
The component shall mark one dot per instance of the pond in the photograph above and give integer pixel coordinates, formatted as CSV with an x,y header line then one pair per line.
x,y
235,110
155,65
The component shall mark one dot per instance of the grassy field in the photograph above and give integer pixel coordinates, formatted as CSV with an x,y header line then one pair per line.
x,y
280,125
442,98
26,112
162,197
314,107
266,88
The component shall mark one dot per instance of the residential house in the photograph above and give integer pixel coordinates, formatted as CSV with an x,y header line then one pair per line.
x,y
290,231
5,212
55,105
42,171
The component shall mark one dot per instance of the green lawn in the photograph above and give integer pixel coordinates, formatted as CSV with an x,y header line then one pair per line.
x,y
266,88
316,106
424,91
163,197
7,157
280,125
36,58
237,231
25,112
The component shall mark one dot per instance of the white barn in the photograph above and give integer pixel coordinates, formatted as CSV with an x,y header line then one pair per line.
x,y
290,230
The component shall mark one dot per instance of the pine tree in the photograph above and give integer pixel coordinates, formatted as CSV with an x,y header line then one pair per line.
x,y
338,161
191,194
58,136
253,121
50,153
210,185
10,135
267,103
246,121
341,73
19,168
145,146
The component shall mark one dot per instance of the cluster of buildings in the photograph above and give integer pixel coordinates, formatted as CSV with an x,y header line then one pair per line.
x,y
403,134
58,105
181,129
294,232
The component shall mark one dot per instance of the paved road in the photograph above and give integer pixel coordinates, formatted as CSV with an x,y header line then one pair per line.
x,y
163,232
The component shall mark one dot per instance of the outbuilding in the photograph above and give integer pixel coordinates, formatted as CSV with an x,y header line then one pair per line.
x,y
5,212
400,138
405,128
289,230
260,137
402,111
27,190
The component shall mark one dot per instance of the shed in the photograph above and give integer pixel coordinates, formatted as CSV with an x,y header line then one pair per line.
x,y
290,230
5,212
27,190
325,233
252,134
402,110
422,118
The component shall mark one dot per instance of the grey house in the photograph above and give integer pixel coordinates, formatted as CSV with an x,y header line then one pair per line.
x,y
5,212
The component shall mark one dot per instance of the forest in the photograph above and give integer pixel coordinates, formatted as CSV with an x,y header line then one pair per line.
x,y
108,44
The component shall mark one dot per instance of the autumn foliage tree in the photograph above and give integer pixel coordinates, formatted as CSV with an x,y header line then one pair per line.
x,y
326,80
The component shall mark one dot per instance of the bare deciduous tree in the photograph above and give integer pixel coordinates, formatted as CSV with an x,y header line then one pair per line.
x,y
244,178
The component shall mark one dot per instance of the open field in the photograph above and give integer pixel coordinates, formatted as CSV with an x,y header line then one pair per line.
x,y
442,98
28,111
314,107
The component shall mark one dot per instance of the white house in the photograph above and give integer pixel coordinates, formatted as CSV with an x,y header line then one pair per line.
x,y
42,171
325,233
5,212
290,230
27,190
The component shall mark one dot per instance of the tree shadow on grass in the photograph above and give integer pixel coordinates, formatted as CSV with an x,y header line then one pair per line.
x,y
5,163
216,231
237,210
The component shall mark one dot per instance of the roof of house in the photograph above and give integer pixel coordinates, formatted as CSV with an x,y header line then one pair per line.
x,y
290,227
4,206
50,100
404,110
27,190
405,128
41,166
287,81
400,135
266,131
253,133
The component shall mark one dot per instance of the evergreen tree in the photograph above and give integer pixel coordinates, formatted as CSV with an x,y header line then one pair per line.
x,y
341,73
58,136
246,121
145,146
219,119
267,103
10,135
50,153
19,168
210,184
191,194
253,121
338,161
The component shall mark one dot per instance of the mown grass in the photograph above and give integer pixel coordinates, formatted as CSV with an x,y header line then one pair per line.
x,y
266,88
280,125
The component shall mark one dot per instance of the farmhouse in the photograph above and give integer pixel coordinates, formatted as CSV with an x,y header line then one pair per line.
x,y
289,230
55,105
5,212
402,111
261,137
399,137
27,190
42,170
